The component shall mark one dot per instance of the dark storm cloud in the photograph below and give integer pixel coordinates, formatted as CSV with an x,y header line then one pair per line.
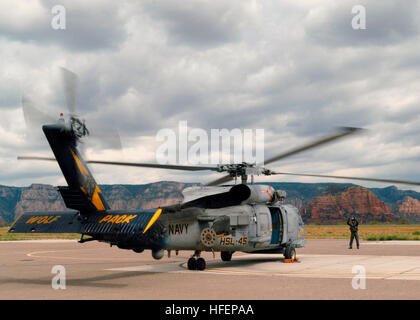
x,y
295,69
204,24
9,93
388,22
89,27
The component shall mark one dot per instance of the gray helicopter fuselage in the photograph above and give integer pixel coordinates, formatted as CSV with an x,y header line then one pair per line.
x,y
257,224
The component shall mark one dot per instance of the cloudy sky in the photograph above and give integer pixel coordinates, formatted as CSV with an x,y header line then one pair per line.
x,y
296,69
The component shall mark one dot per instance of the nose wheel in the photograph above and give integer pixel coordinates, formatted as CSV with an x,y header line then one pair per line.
x,y
196,262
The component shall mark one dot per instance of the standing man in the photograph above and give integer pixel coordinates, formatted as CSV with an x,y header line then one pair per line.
x,y
354,227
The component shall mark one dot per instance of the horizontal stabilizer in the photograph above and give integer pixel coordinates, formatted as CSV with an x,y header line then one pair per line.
x,y
127,229
48,222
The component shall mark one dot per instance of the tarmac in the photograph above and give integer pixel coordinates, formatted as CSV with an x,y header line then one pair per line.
x,y
326,269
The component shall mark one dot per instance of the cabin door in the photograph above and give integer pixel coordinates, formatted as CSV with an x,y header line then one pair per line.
x,y
277,225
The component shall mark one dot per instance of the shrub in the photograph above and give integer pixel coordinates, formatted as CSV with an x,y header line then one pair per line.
x,y
403,221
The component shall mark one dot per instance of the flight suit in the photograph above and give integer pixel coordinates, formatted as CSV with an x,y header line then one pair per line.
x,y
354,227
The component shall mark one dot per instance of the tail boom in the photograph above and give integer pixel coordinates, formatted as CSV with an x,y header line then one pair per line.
x,y
81,184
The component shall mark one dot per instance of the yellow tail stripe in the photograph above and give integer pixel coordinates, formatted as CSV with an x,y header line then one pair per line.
x,y
96,200
153,220
82,168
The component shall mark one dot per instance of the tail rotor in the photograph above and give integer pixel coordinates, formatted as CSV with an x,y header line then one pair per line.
x,y
71,122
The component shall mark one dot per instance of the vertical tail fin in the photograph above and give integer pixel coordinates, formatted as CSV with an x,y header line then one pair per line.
x,y
83,193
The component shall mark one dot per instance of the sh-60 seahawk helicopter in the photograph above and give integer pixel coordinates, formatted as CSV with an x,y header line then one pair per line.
x,y
243,217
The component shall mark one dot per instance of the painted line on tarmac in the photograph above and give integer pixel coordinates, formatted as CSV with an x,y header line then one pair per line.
x,y
385,276
307,272
176,267
41,241
42,254
395,243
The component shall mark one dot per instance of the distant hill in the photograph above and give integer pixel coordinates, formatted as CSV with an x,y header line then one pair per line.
x,y
9,197
41,197
300,194
391,195
318,202
337,207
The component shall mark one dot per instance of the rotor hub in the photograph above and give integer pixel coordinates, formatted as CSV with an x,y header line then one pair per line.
x,y
78,127
244,170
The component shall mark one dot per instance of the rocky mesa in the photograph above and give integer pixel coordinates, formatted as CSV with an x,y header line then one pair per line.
x,y
318,202
40,197
337,207
409,208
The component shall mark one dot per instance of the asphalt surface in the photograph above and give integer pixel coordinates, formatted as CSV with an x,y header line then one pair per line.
x,y
326,270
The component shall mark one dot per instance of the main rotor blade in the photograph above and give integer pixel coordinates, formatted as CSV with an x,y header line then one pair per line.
x,y
219,181
35,158
70,85
131,164
350,178
155,165
346,131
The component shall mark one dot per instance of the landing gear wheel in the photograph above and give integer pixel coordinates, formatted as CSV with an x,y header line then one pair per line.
x,y
208,237
290,253
201,264
192,264
226,256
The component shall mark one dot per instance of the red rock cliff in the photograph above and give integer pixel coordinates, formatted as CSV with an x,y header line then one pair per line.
x,y
358,201
410,208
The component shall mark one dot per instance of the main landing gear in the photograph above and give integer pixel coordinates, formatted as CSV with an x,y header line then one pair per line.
x,y
290,255
226,255
196,262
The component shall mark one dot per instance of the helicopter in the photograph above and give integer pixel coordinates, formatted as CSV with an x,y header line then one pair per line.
x,y
216,217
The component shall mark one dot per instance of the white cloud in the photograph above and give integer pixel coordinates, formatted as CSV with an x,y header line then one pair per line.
x,y
296,69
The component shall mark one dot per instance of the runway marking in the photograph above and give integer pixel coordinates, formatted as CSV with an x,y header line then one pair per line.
x,y
41,241
315,275
31,254
316,266
310,265
394,242
40,254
